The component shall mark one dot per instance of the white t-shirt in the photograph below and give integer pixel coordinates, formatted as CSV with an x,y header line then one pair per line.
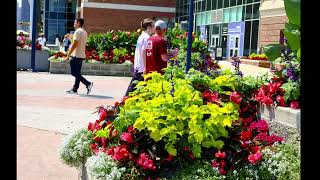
x,y
141,45
42,40
81,36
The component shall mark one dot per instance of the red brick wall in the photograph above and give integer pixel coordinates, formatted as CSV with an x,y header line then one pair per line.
x,y
270,29
102,20
166,3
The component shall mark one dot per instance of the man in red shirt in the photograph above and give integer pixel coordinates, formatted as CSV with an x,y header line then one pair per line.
x,y
156,49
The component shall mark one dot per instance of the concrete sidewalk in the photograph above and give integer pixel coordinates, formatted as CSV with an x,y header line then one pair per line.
x,y
45,114
247,70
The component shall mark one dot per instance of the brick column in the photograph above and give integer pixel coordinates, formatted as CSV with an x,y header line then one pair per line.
x,y
272,20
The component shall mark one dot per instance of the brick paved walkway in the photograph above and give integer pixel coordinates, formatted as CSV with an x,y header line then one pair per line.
x,y
45,113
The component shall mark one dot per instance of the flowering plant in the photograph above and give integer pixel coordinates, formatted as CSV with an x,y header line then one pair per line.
x,y
75,148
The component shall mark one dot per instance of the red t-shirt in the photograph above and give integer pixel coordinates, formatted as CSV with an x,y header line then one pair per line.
x,y
156,46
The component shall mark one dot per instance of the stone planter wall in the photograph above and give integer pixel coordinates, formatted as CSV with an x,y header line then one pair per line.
x,y
24,60
259,63
284,115
93,69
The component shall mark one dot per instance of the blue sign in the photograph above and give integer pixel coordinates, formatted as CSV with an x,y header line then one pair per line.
x,y
235,40
203,34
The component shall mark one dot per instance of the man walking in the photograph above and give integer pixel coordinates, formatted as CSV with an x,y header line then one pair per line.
x,y
77,53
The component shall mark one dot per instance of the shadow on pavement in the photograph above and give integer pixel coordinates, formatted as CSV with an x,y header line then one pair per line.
x,y
96,96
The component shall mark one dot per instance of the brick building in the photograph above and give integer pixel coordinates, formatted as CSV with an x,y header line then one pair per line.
x,y
105,15
272,20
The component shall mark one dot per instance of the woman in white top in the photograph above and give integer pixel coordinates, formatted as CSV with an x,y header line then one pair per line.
x,y
140,53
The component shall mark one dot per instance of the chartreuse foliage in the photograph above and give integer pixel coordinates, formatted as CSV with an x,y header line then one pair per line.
x,y
181,118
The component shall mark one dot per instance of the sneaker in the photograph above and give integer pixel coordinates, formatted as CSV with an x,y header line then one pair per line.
x,y
71,92
89,87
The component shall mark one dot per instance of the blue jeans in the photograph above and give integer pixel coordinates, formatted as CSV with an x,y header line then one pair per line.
x,y
76,64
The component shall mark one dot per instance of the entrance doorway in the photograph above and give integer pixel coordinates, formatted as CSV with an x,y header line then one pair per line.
x,y
214,40
234,45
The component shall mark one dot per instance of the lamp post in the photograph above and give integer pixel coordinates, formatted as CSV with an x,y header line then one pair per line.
x,y
190,29
34,33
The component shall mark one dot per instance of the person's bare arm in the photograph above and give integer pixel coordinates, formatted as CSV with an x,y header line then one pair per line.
x,y
144,60
73,46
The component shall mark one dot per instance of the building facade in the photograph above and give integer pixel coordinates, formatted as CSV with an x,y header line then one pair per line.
x,y
105,15
59,16
240,27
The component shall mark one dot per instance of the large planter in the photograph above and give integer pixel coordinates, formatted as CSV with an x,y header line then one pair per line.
x,y
93,69
24,60
284,115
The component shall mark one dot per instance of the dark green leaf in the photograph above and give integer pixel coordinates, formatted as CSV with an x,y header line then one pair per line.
x,y
292,33
273,51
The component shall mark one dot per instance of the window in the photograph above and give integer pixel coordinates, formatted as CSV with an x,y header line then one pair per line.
x,y
239,2
209,5
247,33
203,6
226,3
254,36
255,14
226,15
214,4
233,3
249,1
219,6
248,12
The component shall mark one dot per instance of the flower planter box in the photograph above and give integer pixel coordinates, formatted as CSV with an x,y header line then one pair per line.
x,y
93,69
259,63
284,115
24,60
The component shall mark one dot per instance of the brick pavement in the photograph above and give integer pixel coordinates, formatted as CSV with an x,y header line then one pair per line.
x,y
45,113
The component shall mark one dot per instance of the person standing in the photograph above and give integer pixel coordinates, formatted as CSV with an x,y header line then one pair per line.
x,y
66,42
77,53
42,40
156,49
140,52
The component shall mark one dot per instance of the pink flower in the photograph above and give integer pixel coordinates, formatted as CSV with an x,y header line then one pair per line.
x,y
130,129
254,158
222,171
214,164
127,137
260,126
191,155
220,155
294,105
235,97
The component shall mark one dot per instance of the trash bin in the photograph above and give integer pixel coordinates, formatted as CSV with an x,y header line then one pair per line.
x,y
218,53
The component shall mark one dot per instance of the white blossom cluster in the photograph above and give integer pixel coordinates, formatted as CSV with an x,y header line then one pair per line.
x,y
103,167
75,148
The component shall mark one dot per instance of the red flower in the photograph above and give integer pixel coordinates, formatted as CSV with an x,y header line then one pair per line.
x,y
102,114
145,162
124,99
245,144
121,153
93,146
103,142
260,126
130,129
254,158
255,149
222,164
280,100
247,121
235,97
116,104
127,137
110,151
186,148
191,156
222,171
214,164
246,135
220,155
169,158
294,105
96,57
